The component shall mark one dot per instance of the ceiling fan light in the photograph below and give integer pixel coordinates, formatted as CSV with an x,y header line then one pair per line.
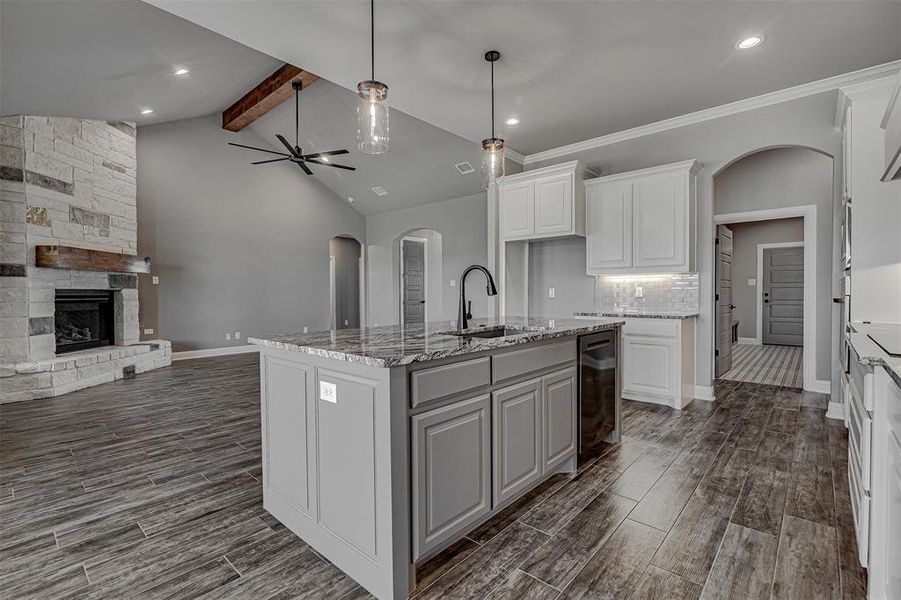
x,y
372,117
492,160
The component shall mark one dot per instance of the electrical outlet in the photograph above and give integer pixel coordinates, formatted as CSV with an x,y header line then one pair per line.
x,y
551,292
155,280
148,331
752,282
346,322
237,335
552,323
306,329
228,336
453,283
639,292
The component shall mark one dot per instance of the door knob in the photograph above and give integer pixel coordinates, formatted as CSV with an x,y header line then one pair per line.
x,y
732,306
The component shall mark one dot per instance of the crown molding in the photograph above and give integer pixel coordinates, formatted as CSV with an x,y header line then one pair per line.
x,y
708,114
515,156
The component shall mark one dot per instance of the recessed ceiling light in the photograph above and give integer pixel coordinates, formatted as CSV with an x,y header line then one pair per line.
x,y
379,191
512,121
749,42
146,111
181,71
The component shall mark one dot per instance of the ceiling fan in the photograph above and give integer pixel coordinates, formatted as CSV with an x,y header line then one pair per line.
x,y
295,153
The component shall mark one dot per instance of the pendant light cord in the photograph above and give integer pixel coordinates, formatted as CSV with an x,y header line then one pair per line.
x,y
372,35
492,99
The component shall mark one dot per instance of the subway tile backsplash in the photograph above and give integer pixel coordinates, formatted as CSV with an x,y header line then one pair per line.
x,y
659,292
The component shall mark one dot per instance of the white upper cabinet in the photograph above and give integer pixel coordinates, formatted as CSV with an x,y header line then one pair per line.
x,y
544,203
609,223
642,221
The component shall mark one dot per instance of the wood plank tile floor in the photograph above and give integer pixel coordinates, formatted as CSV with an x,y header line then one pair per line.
x,y
150,488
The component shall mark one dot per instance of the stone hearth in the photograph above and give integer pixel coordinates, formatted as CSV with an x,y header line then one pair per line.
x,y
66,182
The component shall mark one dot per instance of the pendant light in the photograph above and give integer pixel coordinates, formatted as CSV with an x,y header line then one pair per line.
x,y
493,147
372,104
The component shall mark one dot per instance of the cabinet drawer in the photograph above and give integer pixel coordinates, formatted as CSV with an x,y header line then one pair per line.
x,y
519,362
860,507
661,328
860,432
428,385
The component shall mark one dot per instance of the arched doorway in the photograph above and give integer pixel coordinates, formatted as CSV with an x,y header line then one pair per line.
x,y
345,283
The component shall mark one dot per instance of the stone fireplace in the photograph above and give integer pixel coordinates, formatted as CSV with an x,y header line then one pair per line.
x,y
68,182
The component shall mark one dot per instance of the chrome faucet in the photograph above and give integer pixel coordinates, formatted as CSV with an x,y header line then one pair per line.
x,y
464,314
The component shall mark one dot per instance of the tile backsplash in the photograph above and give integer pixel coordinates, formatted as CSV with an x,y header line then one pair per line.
x,y
659,292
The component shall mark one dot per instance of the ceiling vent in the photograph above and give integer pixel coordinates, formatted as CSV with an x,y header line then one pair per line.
x,y
465,168
379,191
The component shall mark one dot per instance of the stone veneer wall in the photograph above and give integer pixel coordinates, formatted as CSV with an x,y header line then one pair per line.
x,y
64,181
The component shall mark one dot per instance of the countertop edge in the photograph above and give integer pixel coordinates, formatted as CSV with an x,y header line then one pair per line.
x,y
403,360
871,354
674,315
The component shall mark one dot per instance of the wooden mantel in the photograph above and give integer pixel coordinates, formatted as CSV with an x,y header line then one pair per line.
x,y
67,257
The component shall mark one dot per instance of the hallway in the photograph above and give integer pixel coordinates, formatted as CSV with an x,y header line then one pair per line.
x,y
770,365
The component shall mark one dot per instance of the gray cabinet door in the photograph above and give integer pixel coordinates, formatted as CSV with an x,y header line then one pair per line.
x,y
517,438
451,471
558,411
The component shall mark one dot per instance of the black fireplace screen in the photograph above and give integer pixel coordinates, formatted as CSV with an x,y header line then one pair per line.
x,y
84,319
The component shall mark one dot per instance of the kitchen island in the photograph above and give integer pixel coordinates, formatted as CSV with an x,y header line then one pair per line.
x,y
384,445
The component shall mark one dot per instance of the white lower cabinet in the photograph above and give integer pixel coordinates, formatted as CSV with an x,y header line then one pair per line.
x,y
885,515
658,363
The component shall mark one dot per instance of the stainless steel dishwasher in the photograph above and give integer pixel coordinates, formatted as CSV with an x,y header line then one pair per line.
x,y
599,392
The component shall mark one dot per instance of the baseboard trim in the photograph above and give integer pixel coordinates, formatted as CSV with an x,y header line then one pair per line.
x,y
207,352
701,392
821,386
835,411
747,340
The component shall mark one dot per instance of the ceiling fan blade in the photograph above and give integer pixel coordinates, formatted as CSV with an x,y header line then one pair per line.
x,y
328,164
290,148
257,149
329,153
305,168
271,160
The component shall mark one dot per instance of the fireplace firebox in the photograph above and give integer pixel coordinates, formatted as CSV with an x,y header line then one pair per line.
x,y
83,319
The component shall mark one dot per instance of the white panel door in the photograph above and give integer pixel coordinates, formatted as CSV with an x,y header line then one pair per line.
x,y
609,227
554,205
660,222
517,206
649,366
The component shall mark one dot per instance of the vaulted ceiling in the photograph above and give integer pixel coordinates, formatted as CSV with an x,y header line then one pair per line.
x,y
570,70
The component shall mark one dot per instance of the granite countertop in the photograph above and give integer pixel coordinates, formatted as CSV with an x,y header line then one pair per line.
x,y
637,313
872,353
394,345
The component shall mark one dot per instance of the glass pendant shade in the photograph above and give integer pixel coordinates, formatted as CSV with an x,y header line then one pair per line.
x,y
372,117
492,160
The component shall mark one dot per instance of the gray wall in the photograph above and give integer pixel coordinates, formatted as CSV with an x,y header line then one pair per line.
x,y
745,238
346,253
559,264
784,177
237,247
807,122
463,227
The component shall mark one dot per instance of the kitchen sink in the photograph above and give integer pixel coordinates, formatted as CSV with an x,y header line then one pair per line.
x,y
490,332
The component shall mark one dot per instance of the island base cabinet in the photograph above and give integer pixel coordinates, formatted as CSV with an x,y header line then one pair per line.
x,y
560,409
451,459
517,439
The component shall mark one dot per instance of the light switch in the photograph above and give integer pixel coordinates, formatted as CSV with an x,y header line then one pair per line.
x,y
453,283
752,282
328,391
639,291
237,335
155,280
228,336
551,293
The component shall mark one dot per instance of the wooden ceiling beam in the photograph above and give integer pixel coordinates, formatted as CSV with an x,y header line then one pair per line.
x,y
270,92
